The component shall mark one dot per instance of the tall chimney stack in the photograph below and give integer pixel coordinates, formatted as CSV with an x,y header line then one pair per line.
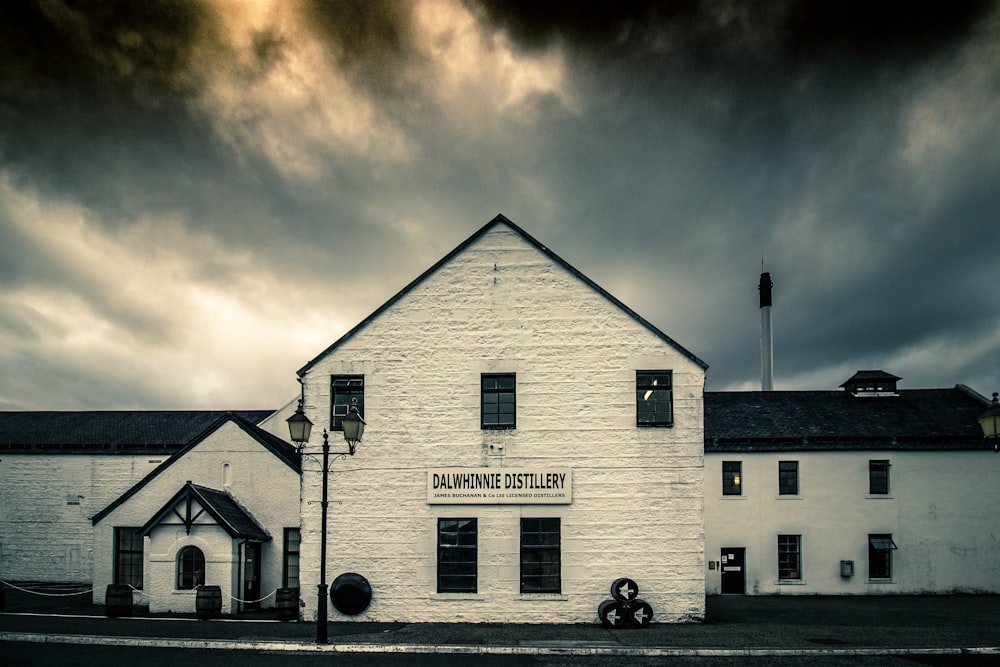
x,y
766,343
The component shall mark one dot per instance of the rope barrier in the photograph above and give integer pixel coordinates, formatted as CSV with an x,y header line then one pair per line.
x,y
48,595
233,597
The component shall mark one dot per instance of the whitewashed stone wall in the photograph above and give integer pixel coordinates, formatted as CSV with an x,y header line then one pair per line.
x,y
46,502
263,484
502,305
941,512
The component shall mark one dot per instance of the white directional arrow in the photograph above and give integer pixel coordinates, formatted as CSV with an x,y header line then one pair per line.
x,y
639,615
612,617
625,591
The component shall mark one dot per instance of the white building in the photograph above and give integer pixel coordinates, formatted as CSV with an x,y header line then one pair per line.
x,y
868,490
59,469
223,511
529,440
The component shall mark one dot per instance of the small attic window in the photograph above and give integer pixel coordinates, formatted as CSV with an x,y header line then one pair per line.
x,y
872,383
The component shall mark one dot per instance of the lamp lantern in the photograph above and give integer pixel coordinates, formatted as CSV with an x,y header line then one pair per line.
x,y
354,426
990,423
299,426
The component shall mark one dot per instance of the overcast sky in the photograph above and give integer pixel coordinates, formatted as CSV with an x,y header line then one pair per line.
x,y
196,198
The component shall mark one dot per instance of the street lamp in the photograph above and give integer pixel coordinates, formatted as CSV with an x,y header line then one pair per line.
x,y
990,421
299,428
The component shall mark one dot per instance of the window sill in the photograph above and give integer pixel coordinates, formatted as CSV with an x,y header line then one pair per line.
x,y
789,582
879,496
880,581
542,597
788,496
456,597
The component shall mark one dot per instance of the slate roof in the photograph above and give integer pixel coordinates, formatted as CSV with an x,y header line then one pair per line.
x,y
222,507
921,419
109,432
500,219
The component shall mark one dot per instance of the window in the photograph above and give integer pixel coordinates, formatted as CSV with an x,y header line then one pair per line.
x,y
790,557
654,398
732,482
541,570
878,478
788,478
290,565
190,568
880,546
128,557
343,390
498,401
457,555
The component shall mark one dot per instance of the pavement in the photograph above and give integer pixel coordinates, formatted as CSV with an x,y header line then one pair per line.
x,y
758,626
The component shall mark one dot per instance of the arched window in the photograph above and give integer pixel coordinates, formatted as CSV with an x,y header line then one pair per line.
x,y
190,568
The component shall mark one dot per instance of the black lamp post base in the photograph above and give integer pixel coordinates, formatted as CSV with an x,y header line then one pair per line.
x,y
321,618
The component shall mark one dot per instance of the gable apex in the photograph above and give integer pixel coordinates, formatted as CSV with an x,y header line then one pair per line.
x,y
283,451
502,220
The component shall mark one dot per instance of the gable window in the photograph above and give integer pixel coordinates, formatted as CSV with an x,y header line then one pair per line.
x,y
654,398
290,558
788,478
880,547
498,400
190,568
732,478
790,557
457,555
541,568
878,478
128,557
343,390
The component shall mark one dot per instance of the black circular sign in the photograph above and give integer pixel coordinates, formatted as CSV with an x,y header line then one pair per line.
x,y
350,593
624,590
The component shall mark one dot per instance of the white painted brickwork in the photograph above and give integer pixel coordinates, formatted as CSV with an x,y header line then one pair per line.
x,y
43,537
502,305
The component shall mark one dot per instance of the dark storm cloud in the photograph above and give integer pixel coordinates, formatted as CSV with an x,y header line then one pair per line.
x,y
664,149
89,45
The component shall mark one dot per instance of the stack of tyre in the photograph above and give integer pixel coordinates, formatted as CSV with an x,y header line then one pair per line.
x,y
625,609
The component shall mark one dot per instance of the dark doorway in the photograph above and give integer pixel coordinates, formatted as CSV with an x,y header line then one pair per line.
x,y
251,575
733,571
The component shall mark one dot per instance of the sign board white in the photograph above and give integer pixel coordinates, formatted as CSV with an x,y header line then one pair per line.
x,y
500,486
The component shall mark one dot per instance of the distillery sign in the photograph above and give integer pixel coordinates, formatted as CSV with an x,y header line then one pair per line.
x,y
505,486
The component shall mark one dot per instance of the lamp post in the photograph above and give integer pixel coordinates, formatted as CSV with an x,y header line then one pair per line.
x,y
990,422
299,428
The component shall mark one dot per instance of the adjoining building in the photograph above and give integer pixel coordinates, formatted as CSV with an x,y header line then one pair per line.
x,y
868,490
223,511
59,469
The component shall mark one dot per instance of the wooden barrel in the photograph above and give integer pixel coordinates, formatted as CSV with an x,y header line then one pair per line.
x,y
286,604
640,614
118,600
624,589
208,604
612,613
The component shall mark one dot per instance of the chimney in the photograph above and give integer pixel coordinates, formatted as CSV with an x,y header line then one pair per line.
x,y
766,343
